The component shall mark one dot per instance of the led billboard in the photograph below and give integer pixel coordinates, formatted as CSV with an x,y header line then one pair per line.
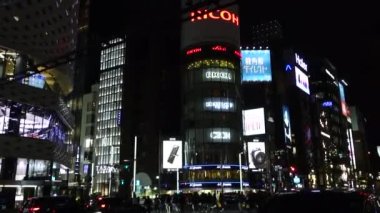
x,y
256,65
172,154
256,155
302,80
287,127
343,103
253,122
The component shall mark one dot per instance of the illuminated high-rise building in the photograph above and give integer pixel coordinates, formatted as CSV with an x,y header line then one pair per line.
x,y
108,130
333,140
211,95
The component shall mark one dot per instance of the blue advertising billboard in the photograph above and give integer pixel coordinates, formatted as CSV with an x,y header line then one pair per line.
x,y
256,66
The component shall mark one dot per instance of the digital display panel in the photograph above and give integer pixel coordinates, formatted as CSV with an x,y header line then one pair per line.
x,y
302,80
343,103
172,154
253,122
256,155
36,80
287,127
219,104
256,65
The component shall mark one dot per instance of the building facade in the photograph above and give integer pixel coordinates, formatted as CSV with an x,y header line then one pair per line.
x,y
108,117
211,119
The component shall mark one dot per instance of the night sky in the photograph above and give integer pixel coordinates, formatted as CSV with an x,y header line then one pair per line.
x,y
347,33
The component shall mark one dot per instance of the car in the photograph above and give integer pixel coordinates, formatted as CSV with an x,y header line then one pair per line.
x,y
112,205
56,204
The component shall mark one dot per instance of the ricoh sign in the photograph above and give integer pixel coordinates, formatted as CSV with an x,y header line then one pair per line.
x,y
222,15
210,24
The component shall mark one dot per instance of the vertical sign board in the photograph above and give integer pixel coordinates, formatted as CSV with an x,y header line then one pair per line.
x,y
287,127
172,154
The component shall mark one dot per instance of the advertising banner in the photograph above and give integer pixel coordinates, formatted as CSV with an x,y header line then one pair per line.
x,y
287,127
253,122
302,80
172,155
256,155
256,66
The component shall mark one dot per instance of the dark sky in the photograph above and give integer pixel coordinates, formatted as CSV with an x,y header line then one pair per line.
x,y
347,33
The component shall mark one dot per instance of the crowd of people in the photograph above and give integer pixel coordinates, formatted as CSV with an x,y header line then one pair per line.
x,y
202,202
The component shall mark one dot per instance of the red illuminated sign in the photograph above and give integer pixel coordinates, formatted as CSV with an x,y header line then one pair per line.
x,y
192,51
219,48
237,53
224,15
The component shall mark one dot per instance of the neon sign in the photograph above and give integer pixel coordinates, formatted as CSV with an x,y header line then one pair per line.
x,y
192,51
219,48
300,62
237,53
327,104
224,15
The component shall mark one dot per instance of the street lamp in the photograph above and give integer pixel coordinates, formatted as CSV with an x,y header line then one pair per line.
x,y
241,177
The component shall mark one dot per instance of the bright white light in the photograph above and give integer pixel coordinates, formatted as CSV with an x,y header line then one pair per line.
x,y
325,134
300,62
302,81
16,18
253,122
330,74
224,135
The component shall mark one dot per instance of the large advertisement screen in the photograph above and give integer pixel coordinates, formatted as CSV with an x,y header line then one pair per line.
x,y
343,103
209,24
172,155
287,127
253,122
302,80
256,155
256,66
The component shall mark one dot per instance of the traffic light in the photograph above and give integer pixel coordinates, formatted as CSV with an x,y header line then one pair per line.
x,y
126,164
125,169
292,169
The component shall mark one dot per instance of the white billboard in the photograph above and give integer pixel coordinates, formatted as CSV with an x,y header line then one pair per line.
x,y
172,154
256,155
302,80
253,122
